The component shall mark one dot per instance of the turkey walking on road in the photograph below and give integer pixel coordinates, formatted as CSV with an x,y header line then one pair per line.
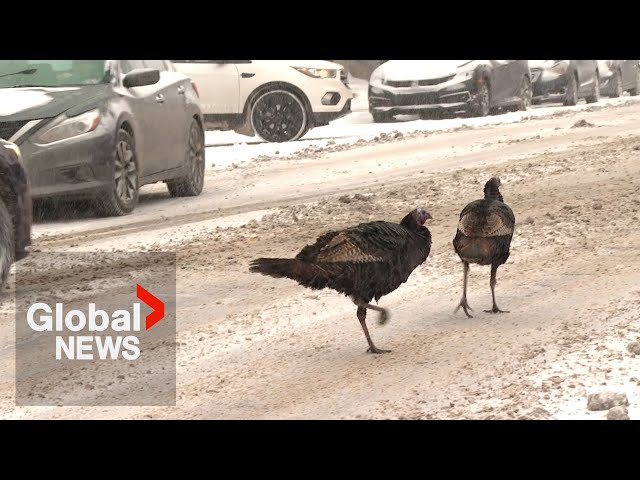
x,y
363,262
484,236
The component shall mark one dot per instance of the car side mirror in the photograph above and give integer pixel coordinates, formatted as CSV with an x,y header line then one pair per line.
x,y
141,77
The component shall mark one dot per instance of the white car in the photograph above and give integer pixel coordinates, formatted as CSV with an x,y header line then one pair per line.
x,y
279,100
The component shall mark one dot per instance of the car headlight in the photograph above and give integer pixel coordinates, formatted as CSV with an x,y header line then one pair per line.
x,y
317,72
376,77
560,66
14,148
466,70
71,127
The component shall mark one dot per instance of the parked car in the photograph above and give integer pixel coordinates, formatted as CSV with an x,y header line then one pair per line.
x,y
421,87
565,81
15,209
103,128
618,76
279,100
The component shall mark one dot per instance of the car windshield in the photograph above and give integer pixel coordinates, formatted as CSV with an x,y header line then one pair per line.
x,y
52,73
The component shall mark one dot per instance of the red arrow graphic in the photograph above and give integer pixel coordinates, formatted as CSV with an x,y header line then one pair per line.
x,y
154,302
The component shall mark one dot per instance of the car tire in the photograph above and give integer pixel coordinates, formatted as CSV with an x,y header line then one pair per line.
x,y
526,94
192,183
481,106
381,117
595,94
279,116
122,196
571,95
7,246
636,88
616,85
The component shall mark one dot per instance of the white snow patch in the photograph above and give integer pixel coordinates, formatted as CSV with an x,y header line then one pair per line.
x,y
585,372
227,147
172,235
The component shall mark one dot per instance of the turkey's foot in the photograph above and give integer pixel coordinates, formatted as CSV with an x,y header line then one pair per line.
x,y
375,349
465,306
495,309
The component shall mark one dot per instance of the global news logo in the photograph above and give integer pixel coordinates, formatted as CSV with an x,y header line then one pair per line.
x,y
113,336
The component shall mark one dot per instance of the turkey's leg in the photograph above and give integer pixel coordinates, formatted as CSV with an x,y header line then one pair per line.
x,y
492,282
362,315
463,302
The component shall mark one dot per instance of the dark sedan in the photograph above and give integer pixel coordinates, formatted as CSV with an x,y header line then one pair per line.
x,y
424,87
15,209
103,128
618,76
565,81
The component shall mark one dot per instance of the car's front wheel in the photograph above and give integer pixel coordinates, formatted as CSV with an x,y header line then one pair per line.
x,y
191,184
636,85
571,95
279,116
616,84
7,247
526,94
122,196
482,101
595,94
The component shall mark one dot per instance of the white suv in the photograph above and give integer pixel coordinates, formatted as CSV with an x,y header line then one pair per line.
x,y
279,100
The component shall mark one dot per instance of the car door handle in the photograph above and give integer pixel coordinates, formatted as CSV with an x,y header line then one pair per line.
x,y
247,75
160,98
181,90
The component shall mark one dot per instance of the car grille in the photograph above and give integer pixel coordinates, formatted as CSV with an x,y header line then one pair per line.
x,y
421,83
398,83
435,81
417,99
8,129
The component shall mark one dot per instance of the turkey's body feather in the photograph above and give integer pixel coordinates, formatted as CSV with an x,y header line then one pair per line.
x,y
364,262
484,232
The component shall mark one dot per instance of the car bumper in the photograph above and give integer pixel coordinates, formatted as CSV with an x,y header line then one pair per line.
x,y
548,87
80,165
327,95
412,100
323,118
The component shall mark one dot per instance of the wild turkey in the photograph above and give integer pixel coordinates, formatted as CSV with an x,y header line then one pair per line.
x,y
363,262
484,236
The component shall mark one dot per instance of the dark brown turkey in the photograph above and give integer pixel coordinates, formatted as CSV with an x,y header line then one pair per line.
x,y
484,236
363,262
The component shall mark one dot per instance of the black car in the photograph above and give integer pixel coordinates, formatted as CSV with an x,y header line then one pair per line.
x,y
424,87
618,76
103,128
565,81
15,209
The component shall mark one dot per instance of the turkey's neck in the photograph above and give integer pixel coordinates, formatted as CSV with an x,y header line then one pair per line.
x,y
492,193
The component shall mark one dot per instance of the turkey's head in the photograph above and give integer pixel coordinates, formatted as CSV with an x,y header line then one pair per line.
x,y
493,182
491,189
416,218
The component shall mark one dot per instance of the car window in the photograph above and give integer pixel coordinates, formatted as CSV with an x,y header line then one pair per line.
x,y
157,64
128,65
52,73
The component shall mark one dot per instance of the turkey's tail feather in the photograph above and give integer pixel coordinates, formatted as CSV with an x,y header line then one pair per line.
x,y
305,273
274,267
